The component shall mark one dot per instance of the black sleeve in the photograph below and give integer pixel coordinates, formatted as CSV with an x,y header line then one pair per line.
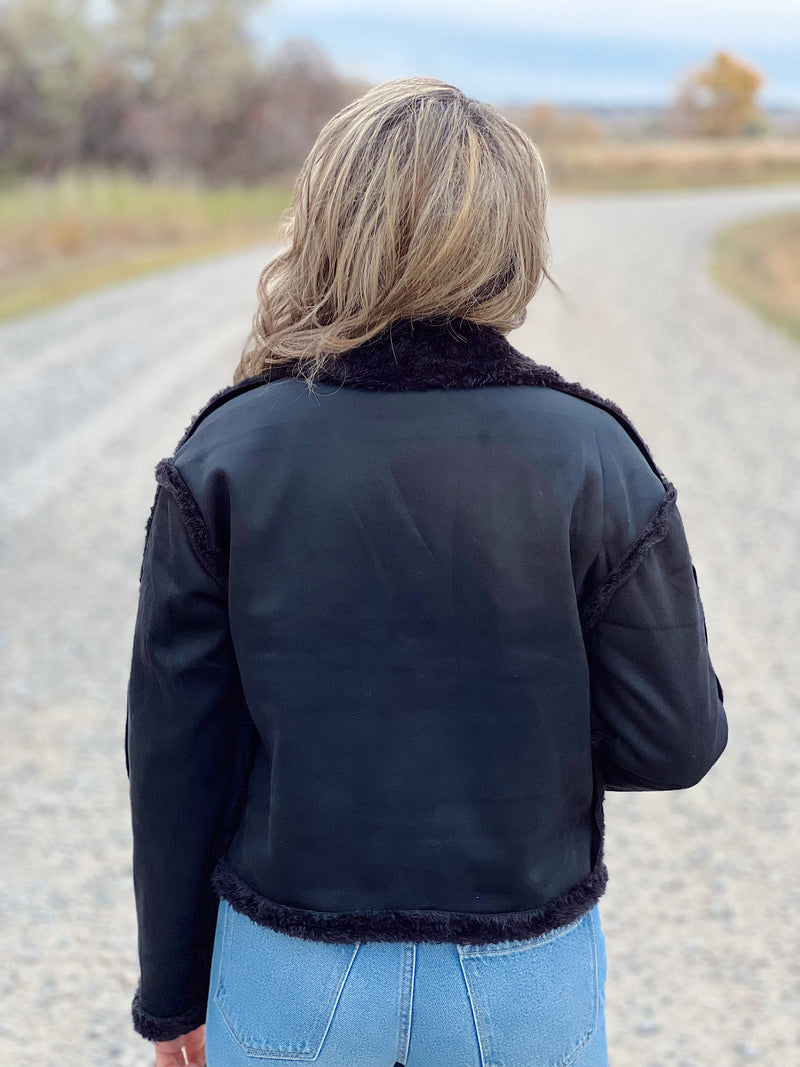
x,y
185,712
658,717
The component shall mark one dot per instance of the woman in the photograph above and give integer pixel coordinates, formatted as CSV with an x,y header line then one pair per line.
x,y
410,602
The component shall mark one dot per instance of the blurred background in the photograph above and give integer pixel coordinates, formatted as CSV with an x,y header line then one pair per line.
x,y
134,133
147,152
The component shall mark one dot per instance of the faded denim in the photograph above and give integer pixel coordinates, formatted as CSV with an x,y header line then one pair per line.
x,y
282,1000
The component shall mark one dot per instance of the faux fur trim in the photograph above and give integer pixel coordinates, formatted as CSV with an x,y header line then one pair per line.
x,y
155,1028
168,475
465,928
429,354
654,531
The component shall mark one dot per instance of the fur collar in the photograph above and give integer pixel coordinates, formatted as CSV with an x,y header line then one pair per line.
x,y
435,355
431,354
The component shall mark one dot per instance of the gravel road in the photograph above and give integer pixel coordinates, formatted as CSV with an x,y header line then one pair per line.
x,y
701,913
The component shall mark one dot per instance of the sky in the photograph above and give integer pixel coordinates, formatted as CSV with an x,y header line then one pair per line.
x,y
591,52
739,21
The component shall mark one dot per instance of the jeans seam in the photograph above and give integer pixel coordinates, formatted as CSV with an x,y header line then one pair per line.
x,y
472,1008
300,1054
573,1055
484,1031
225,948
407,977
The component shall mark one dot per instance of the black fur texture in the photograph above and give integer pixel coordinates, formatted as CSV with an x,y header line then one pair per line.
x,y
154,1028
168,476
466,928
444,354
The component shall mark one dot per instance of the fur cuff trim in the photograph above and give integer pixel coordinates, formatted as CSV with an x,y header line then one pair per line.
x,y
168,475
654,531
465,928
155,1028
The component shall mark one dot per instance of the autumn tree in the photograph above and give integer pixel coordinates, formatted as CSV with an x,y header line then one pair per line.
x,y
719,100
157,86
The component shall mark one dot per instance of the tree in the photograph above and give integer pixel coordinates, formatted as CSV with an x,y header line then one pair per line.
x,y
47,50
297,93
192,63
158,86
719,100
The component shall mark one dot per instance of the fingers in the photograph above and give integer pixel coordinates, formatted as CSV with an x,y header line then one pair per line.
x,y
195,1046
170,1059
188,1050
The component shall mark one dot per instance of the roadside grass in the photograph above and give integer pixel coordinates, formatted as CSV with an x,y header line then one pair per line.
x,y
608,166
65,237
86,229
759,262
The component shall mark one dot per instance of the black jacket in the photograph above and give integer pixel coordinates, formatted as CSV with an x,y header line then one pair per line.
x,y
395,637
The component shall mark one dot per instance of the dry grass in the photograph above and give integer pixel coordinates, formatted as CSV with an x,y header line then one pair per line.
x,y
62,238
759,261
670,164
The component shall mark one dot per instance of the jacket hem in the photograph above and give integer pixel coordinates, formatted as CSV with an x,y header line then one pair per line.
x,y
157,1028
465,928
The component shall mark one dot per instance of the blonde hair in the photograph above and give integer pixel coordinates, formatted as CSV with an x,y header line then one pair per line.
x,y
416,202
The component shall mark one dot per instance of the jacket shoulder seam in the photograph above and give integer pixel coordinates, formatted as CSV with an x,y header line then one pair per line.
x,y
654,532
209,556
552,379
218,399
580,392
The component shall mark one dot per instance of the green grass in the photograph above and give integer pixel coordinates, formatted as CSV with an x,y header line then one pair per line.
x,y
759,262
88,229
99,197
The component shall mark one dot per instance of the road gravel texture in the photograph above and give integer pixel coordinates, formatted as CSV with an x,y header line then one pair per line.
x,y
701,912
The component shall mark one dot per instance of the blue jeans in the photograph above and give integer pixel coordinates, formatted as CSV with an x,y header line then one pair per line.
x,y
279,1000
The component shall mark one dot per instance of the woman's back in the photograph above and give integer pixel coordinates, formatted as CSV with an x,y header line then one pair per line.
x,y
407,576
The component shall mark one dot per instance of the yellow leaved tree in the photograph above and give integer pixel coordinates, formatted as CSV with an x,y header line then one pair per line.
x,y
719,100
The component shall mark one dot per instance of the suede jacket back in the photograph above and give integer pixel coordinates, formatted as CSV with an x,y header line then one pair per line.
x,y
396,635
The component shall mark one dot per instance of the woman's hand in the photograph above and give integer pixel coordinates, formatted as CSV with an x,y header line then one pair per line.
x,y
170,1053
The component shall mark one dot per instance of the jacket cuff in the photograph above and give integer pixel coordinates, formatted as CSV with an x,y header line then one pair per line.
x,y
156,1028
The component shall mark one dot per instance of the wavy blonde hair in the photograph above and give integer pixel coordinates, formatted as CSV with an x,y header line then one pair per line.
x,y
416,202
